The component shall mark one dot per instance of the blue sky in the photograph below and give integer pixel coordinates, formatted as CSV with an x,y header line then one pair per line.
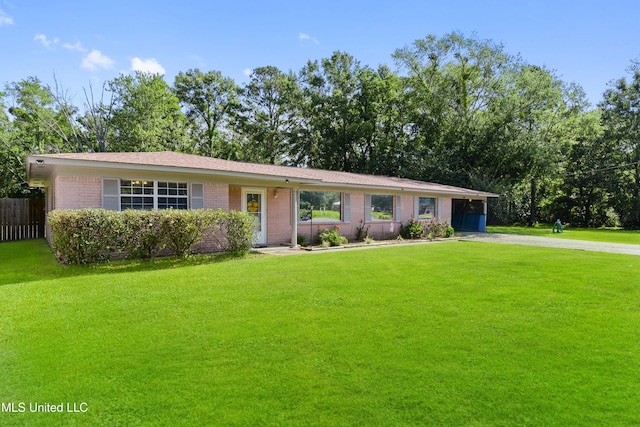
x,y
82,42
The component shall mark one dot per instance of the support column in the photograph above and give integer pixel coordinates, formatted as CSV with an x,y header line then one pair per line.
x,y
294,218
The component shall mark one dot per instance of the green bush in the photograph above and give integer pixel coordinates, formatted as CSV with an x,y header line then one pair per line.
x,y
435,228
185,229
235,232
84,236
429,229
449,231
143,234
413,230
332,237
92,235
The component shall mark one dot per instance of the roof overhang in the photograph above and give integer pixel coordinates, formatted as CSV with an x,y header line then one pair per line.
x,y
40,169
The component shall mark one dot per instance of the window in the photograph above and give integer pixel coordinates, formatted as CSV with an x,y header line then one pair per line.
x,y
381,207
426,207
136,195
149,195
326,206
172,195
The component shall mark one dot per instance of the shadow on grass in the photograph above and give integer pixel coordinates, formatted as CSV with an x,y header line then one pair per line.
x,y
33,260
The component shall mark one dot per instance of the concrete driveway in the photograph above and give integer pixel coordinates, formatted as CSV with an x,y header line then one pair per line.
x,y
550,242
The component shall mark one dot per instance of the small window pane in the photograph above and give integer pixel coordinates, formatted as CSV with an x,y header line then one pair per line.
x,y
381,207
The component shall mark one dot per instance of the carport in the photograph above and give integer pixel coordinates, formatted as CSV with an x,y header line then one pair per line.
x,y
469,215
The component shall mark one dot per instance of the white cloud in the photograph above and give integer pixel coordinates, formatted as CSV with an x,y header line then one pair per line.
x,y
44,40
5,19
247,72
149,65
303,37
95,60
76,46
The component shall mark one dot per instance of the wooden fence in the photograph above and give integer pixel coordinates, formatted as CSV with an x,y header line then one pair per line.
x,y
21,219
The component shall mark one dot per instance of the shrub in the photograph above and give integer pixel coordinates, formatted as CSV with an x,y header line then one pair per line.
x,y
235,232
92,235
184,229
413,230
435,228
332,237
362,232
84,236
143,236
449,231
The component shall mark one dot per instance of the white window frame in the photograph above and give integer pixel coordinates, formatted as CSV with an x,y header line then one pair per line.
x,y
113,201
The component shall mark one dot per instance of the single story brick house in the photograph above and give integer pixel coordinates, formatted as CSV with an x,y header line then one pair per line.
x,y
286,201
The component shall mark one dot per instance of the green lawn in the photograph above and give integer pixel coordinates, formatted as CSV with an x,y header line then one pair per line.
x,y
448,333
631,237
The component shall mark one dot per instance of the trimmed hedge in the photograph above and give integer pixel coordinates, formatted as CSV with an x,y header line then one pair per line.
x,y
87,236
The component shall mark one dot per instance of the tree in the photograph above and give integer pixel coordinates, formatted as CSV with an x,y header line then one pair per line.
x,y
211,103
36,126
456,86
146,115
342,109
588,179
621,120
269,116
542,103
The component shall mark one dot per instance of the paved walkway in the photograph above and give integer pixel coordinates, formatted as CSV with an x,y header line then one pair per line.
x,y
550,242
508,239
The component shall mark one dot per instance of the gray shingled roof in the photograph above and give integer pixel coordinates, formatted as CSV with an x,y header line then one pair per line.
x,y
167,159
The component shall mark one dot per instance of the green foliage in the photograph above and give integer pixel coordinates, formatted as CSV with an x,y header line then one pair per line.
x,y
143,234
237,232
428,229
413,230
362,231
84,236
333,237
211,103
185,228
145,115
91,235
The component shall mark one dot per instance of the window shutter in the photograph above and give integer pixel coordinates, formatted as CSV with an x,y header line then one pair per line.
x,y
347,208
197,196
111,194
367,208
398,212
416,207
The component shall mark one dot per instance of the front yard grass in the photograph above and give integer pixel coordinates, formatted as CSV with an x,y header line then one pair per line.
x,y
428,334
631,237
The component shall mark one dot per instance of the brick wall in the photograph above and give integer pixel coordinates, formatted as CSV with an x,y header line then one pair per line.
x,y
278,217
216,196
77,192
235,197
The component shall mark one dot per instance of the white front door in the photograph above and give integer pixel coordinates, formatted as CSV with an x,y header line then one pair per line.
x,y
254,201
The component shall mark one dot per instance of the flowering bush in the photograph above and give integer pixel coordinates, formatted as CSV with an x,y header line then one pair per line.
x,y
429,229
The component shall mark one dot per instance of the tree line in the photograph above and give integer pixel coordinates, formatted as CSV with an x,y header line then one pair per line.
x,y
456,110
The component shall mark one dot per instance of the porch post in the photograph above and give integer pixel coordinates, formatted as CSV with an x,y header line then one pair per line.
x,y
294,218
